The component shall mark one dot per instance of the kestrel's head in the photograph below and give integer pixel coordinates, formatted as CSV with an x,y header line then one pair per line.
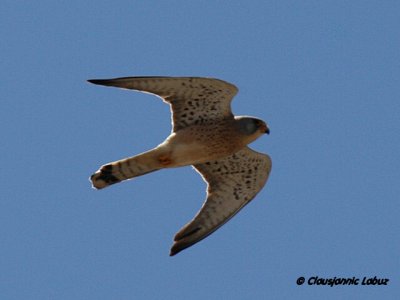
x,y
252,127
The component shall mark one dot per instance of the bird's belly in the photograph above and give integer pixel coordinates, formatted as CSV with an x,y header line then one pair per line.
x,y
182,149
188,154
194,153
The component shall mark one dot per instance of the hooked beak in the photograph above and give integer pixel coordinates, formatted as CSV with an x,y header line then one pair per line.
x,y
264,129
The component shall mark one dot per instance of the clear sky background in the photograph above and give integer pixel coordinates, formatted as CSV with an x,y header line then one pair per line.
x,y
325,75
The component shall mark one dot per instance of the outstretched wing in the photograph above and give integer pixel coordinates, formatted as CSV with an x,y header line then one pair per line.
x,y
232,183
193,100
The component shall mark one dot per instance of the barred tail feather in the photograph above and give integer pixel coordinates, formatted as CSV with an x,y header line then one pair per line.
x,y
124,169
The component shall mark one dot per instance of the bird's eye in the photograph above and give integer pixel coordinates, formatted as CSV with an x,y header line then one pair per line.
x,y
250,126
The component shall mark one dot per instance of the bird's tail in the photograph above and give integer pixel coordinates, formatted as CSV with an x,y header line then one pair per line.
x,y
128,168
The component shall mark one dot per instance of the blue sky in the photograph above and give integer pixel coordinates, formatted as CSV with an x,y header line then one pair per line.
x,y
323,74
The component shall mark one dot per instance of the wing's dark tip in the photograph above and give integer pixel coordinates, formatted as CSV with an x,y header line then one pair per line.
x,y
100,81
181,242
176,248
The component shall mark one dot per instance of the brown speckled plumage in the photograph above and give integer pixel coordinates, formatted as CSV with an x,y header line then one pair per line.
x,y
204,134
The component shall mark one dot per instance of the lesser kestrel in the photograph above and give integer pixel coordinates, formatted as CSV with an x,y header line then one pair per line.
x,y
206,135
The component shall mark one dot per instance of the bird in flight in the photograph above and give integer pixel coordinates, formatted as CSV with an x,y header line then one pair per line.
x,y
206,135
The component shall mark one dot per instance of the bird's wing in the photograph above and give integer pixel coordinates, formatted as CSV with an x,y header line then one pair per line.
x,y
232,183
193,100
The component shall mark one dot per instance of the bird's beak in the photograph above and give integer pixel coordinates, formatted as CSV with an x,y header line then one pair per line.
x,y
264,129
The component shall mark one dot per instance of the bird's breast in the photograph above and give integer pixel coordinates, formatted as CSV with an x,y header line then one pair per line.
x,y
199,144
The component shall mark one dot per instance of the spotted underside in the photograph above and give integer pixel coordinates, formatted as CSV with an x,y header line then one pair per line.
x,y
193,100
232,183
